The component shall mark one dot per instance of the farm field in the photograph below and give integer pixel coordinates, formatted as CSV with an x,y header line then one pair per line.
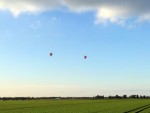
x,y
76,106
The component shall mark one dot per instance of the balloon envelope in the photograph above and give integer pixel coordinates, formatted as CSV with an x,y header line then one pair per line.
x,y
51,54
85,57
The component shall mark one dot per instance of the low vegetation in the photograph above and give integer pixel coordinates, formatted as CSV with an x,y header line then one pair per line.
x,y
76,106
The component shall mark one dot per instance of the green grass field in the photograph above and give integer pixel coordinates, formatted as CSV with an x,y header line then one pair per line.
x,y
76,106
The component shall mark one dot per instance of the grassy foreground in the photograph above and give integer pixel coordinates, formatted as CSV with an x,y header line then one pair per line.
x,y
76,106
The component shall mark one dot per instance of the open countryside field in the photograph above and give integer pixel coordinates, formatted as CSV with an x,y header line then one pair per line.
x,y
76,106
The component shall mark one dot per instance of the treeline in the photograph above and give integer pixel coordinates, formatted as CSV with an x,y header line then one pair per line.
x,y
123,97
94,97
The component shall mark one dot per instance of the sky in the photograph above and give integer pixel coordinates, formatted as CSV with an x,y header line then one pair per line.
x,y
114,34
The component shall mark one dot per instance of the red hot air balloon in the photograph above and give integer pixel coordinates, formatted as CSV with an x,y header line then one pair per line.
x,y
85,57
51,54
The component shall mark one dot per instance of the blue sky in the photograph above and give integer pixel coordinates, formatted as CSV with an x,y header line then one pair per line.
x,y
117,52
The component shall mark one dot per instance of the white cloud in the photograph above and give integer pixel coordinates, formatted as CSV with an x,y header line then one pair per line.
x,y
107,11
31,6
113,15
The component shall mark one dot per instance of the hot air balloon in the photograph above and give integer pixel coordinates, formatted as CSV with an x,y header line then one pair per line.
x,y
51,54
85,57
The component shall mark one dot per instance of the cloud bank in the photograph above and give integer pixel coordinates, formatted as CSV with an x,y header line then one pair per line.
x,y
107,11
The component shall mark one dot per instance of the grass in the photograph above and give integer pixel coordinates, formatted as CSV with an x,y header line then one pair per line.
x,y
76,106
